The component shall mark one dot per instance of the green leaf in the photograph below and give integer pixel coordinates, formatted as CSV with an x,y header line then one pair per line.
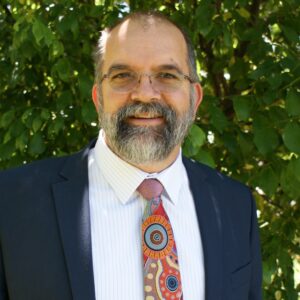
x,y
267,180
69,22
292,103
290,33
227,38
243,106
265,138
244,13
16,128
194,141
218,119
22,141
27,48
21,36
206,158
238,69
57,49
64,100
37,123
188,148
291,137
197,136
275,80
289,182
269,269
285,260
85,86
36,144
294,166
7,118
88,112
63,68
229,3
45,114
245,142
41,31
278,116
7,150
7,137
27,117
263,69
230,143
204,13
55,126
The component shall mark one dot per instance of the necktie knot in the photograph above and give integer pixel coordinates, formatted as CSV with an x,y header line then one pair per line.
x,y
150,188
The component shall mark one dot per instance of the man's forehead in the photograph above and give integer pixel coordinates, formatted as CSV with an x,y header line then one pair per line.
x,y
145,44
143,27
143,22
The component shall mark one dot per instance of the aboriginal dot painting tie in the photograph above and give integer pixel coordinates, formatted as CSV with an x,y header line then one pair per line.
x,y
161,269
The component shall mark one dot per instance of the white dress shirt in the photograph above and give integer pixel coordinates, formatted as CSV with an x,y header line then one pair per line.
x,y
116,218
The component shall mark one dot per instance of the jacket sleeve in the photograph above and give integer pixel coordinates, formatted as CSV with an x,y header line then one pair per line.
x,y
3,287
255,292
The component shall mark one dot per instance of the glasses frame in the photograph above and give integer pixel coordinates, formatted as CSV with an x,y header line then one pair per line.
x,y
140,75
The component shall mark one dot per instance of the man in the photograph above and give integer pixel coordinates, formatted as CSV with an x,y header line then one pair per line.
x,y
70,227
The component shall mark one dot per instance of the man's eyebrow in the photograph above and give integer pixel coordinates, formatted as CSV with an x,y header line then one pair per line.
x,y
170,67
116,67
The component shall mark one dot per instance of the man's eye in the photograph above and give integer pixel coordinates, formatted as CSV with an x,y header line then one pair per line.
x,y
122,76
167,76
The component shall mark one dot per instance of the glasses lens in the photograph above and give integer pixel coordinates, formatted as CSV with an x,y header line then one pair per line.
x,y
167,81
163,81
123,81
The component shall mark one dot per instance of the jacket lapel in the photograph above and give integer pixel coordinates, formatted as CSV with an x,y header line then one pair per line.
x,y
210,224
73,214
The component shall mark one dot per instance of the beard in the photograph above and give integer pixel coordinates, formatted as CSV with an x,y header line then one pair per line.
x,y
145,144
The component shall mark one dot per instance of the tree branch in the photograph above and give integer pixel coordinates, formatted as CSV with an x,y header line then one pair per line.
x,y
218,6
210,58
254,11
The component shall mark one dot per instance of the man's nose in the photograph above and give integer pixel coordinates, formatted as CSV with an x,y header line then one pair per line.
x,y
144,90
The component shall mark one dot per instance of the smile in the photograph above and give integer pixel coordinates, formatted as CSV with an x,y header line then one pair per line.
x,y
145,120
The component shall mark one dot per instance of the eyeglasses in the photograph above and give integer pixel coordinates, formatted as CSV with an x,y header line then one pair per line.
x,y
125,81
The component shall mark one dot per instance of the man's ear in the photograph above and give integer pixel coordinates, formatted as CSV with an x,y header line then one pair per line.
x,y
95,97
198,94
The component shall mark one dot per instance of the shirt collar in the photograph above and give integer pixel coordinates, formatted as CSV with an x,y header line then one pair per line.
x,y
125,178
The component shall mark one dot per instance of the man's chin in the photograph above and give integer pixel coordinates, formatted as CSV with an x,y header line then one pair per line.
x,y
142,130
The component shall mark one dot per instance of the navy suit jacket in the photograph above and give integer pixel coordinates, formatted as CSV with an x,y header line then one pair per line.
x,y
45,236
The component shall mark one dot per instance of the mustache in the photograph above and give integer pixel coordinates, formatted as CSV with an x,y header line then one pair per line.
x,y
152,109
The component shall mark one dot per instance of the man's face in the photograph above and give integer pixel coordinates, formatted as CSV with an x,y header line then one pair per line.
x,y
145,124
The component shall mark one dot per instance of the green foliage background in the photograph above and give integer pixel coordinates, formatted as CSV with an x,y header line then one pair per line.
x,y
248,125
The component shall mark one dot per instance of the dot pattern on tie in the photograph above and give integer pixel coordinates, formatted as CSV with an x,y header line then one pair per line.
x,y
161,268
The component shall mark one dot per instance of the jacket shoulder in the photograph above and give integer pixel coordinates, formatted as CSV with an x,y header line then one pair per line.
x,y
35,170
197,170
44,170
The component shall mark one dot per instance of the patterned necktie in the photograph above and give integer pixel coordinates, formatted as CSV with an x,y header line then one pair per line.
x,y
161,269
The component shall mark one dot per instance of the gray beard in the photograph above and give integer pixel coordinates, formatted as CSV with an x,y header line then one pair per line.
x,y
145,144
